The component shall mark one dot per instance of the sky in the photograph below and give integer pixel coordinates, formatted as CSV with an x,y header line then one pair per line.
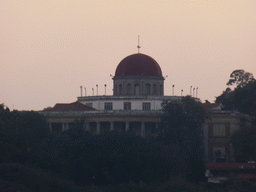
x,y
49,48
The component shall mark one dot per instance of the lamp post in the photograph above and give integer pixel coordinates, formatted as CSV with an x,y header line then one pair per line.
x,y
81,88
85,91
105,88
172,90
193,91
92,92
181,92
97,89
190,90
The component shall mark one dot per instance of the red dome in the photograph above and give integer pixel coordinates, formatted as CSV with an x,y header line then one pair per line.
x,y
137,65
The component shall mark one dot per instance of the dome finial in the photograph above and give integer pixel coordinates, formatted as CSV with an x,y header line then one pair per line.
x,y
138,44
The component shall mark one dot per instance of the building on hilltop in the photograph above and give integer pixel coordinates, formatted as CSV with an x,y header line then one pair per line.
x,y
138,91
135,106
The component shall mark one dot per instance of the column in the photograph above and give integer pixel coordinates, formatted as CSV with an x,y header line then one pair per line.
x,y
87,127
126,126
67,126
98,128
111,126
63,127
50,128
206,141
142,130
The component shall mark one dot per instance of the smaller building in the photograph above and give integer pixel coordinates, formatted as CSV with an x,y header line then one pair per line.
x,y
217,131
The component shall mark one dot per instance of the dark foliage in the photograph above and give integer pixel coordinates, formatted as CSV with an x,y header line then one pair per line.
x,y
116,158
180,128
19,177
240,78
244,143
20,132
242,98
75,155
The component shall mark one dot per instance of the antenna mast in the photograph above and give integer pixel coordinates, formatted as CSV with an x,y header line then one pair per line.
x,y
138,44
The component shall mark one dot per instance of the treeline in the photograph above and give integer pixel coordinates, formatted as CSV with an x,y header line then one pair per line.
x,y
77,156
242,99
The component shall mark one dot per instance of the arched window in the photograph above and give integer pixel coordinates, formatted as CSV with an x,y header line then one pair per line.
x,y
129,89
161,89
154,89
115,90
148,89
120,89
136,89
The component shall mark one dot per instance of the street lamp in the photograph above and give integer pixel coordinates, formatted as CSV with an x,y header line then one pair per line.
x,y
81,88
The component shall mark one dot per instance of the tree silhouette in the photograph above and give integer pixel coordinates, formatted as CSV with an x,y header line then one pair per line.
x,y
240,77
180,129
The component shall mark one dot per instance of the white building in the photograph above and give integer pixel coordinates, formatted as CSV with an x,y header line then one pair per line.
x,y
135,106
138,87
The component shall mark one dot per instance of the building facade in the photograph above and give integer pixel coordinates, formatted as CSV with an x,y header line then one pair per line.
x,y
135,106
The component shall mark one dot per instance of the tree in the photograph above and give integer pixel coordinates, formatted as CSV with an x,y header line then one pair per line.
x,y
113,158
240,77
180,128
181,119
242,98
20,131
226,98
76,130
244,143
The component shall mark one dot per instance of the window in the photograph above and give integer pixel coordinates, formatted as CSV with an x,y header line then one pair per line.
x,y
129,89
154,89
93,128
127,105
146,106
148,89
115,90
104,127
161,90
219,151
120,89
136,89
108,106
219,130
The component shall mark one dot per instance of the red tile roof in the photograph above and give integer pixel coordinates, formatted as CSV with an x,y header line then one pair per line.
x,y
213,106
230,166
75,106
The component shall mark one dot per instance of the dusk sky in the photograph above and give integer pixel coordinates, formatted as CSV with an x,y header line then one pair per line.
x,y
49,48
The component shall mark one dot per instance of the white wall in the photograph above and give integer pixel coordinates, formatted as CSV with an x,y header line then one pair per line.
x,y
119,104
